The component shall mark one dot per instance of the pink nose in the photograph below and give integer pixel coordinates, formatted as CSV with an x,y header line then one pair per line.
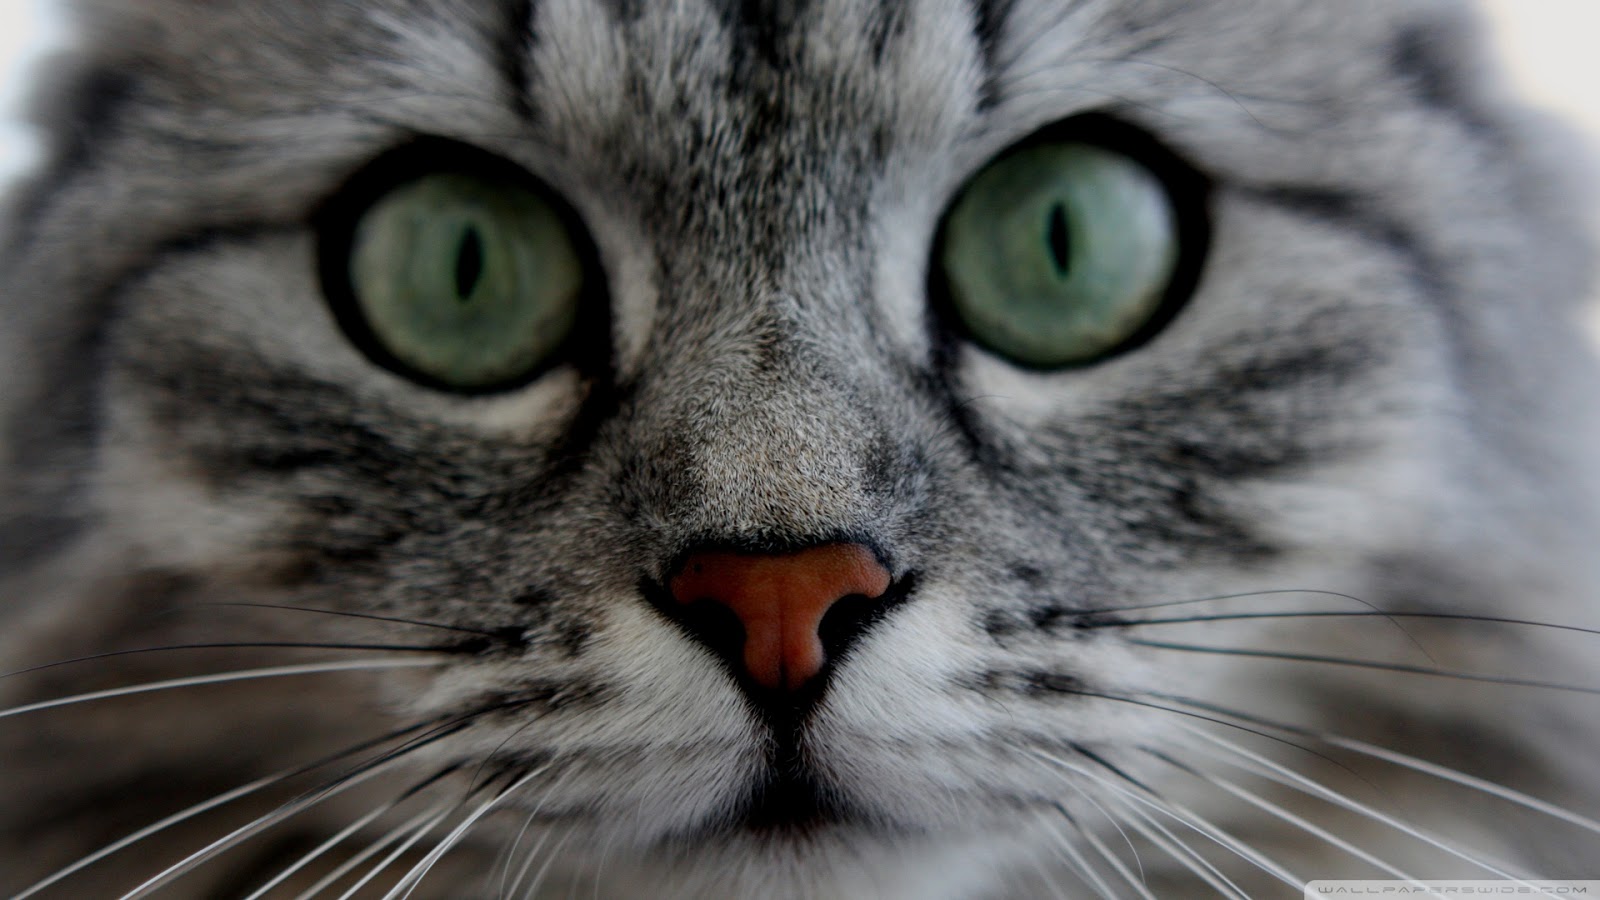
x,y
780,600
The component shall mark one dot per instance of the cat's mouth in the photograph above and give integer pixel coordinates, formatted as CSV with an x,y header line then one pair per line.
x,y
789,799
792,803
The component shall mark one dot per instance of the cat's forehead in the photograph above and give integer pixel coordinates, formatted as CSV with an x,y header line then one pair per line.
x,y
660,120
662,97
586,65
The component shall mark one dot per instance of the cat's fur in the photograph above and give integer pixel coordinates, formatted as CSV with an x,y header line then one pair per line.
x,y
1379,388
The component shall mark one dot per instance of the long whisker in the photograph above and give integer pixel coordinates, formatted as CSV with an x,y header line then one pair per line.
x,y
1076,859
1216,598
344,782
420,824
1135,701
208,805
511,851
600,862
1333,614
1401,668
1111,767
1089,798
1043,866
147,831
500,634
1082,618
1116,863
544,868
316,852
1146,789
1274,809
1293,779
472,783
244,832
1189,819
1158,834
347,831
1410,762
405,846
420,870
243,645
1233,97
371,665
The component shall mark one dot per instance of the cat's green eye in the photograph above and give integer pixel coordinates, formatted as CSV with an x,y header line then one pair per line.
x,y
466,282
1060,253
469,282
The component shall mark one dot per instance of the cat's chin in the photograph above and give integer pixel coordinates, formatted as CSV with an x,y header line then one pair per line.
x,y
790,808
816,859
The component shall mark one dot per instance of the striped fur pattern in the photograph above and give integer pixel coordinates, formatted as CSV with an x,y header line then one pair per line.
x,y
1378,391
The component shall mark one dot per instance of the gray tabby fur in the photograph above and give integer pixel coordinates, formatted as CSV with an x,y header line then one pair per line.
x,y
1379,388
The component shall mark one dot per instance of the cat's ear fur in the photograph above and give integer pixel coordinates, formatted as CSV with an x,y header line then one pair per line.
x,y
1444,57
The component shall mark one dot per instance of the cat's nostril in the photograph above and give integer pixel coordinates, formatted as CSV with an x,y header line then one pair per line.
x,y
779,603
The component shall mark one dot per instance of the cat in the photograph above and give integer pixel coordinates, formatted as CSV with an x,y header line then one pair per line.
x,y
793,449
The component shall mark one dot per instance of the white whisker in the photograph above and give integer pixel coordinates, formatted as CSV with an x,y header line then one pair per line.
x,y
1268,768
1047,871
1137,882
511,851
1189,819
1274,809
1089,798
1445,773
1463,779
191,812
1078,861
322,848
417,834
1158,834
420,870
148,830
606,848
544,870
374,849
224,678
247,831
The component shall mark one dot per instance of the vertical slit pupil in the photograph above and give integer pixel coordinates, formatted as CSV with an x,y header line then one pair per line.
x,y
469,263
1060,240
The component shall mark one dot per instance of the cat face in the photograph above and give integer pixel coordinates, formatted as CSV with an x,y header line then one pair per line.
x,y
816,449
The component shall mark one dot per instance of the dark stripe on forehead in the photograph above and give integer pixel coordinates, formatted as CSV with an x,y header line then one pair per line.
x,y
622,12
759,27
515,43
1429,58
1355,214
885,24
988,25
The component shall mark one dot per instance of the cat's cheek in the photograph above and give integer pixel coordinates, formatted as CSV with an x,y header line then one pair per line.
x,y
642,706
168,510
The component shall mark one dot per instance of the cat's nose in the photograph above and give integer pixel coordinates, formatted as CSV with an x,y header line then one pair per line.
x,y
782,602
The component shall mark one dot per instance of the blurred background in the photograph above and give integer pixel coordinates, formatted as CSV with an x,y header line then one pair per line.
x,y
27,28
